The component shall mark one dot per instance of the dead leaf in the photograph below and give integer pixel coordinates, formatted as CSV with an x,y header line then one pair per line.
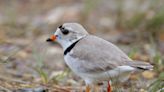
x,y
148,74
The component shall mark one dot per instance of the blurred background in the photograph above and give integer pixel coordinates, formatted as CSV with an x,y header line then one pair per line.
x,y
28,62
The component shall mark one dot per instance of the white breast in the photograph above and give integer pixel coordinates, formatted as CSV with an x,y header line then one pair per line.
x,y
72,62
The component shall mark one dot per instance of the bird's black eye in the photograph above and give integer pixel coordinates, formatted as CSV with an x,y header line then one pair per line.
x,y
65,31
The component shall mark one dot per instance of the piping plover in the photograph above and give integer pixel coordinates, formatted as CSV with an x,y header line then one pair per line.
x,y
92,58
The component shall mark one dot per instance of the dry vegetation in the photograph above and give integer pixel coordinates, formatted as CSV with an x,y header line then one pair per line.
x,y
28,63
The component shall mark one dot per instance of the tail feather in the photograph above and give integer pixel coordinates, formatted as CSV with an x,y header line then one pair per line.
x,y
141,65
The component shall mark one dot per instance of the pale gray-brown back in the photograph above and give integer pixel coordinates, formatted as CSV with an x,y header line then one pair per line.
x,y
98,55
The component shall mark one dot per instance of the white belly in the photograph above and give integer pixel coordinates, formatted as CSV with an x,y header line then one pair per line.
x,y
73,63
120,73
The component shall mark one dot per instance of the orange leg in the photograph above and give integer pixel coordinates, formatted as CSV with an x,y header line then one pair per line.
x,y
87,88
109,87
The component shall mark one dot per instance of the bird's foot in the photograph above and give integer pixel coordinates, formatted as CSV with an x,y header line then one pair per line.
x,y
87,88
109,87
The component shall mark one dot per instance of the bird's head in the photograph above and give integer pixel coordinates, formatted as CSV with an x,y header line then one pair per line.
x,y
67,34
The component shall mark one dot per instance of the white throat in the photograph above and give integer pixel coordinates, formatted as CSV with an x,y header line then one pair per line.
x,y
66,43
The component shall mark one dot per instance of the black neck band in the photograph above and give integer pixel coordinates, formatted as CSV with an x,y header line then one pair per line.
x,y
70,47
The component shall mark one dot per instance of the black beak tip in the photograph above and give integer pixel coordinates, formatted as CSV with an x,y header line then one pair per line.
x,y
49,40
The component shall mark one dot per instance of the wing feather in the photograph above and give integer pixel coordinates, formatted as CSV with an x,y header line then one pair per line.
x,y
98,55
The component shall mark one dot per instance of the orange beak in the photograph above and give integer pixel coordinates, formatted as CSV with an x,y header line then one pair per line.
x,y
52,38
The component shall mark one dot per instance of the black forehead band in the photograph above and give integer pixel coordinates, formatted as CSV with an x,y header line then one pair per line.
x,y
61,26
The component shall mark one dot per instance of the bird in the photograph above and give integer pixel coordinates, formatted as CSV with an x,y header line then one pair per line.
x,y
93,58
